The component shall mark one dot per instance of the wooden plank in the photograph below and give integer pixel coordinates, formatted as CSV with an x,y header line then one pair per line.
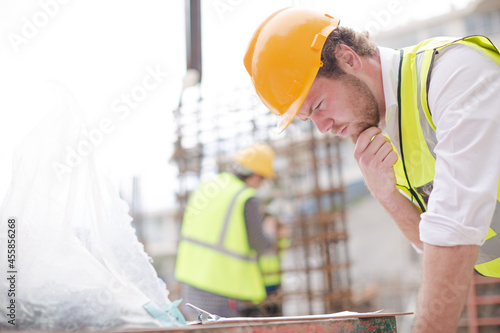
x,y
492,321
487,299
483,321
478,279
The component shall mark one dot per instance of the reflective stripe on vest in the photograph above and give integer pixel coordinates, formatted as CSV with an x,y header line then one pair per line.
x,y
214,254
417,139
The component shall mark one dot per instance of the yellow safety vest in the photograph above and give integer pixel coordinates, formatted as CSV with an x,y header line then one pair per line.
x,y
214,254
415,168
270,264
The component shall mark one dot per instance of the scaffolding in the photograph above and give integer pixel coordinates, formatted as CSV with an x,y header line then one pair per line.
x,y
315,267
482,309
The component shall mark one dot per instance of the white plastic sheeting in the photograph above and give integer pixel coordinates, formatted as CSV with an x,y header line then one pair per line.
x,y
77,262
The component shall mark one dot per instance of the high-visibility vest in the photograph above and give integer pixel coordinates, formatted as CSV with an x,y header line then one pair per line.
x,y
214,254
417,139
270,264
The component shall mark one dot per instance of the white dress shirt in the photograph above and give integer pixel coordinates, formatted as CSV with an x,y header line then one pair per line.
x,y
464,100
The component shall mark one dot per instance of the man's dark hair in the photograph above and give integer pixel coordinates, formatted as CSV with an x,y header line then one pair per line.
x,y
358,41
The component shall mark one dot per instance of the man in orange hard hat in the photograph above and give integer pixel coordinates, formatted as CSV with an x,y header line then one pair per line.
x,y
424,119
222,234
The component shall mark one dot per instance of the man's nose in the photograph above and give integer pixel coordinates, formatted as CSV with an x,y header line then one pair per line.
x,y
322,123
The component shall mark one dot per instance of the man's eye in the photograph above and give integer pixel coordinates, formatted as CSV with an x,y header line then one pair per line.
x,y
318,106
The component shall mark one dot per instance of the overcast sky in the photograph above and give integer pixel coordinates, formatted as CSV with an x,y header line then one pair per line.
x,y
104,51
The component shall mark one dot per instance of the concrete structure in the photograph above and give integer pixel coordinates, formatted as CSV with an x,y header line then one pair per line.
x,y
479,17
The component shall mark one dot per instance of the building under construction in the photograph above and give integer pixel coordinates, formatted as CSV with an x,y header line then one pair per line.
x,y
308,192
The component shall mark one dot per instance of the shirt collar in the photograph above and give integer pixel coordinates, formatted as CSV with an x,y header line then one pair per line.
x,y
389,62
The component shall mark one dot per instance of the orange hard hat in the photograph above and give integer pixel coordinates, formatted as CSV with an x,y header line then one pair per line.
x,y
284,56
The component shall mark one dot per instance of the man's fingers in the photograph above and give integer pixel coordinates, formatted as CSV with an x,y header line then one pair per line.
x,y
384,149
378,151
391,158
365,138
378,145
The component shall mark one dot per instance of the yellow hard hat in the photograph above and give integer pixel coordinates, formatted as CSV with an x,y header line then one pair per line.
x,y
257,158
284,56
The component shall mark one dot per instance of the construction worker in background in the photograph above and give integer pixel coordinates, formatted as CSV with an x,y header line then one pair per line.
x,y
222,235
270,266
424,118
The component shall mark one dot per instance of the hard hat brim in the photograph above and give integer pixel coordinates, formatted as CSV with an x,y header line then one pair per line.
x,y
286,118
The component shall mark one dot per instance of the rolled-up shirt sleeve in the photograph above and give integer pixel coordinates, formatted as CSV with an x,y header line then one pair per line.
x,y
464,100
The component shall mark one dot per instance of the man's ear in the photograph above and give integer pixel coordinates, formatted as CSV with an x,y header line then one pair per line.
x,y
348,60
